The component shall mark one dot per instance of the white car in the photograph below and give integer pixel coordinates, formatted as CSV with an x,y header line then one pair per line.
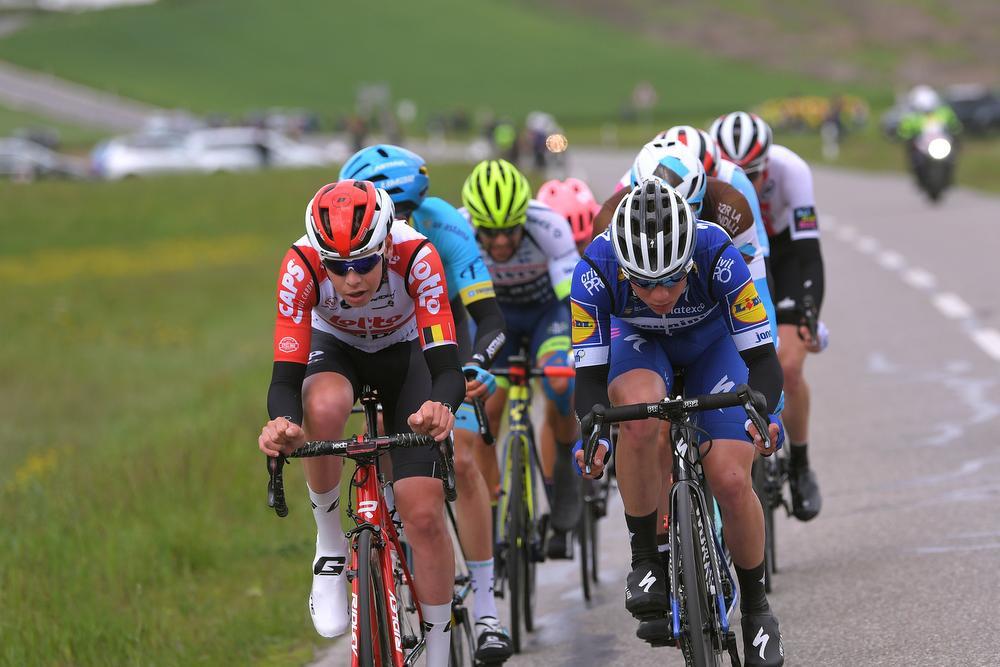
x,y
25,160
211,150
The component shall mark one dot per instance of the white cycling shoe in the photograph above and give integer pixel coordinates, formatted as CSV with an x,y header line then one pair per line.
x,y
328,599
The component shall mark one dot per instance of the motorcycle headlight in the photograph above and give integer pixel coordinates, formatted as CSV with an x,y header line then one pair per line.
x,y
939,148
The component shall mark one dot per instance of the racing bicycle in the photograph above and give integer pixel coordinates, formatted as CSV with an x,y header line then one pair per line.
x,y
703,592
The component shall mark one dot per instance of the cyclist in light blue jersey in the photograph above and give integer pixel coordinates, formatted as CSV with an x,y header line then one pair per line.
x,y
403,174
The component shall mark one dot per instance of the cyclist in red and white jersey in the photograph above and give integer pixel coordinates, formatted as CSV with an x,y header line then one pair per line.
x,y
784,184
362,299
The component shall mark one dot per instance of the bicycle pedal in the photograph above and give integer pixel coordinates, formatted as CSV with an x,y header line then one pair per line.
x,y
656,630
409,642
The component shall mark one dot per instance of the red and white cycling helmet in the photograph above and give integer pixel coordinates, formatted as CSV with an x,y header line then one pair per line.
x,y
573,200
348,219
743,138
699,141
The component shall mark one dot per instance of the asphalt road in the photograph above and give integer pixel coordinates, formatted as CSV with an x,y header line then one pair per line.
x,y
902,567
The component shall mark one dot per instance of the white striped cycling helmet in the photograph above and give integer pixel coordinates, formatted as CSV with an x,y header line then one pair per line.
x,y
653,232
676,165
743,138
699,141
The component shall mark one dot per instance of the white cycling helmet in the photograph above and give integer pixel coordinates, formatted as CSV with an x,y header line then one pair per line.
x,y
348,219
923,99
676,165
743,138
699,141
653,231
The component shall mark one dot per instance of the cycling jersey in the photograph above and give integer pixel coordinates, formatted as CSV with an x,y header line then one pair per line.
x,y
411,301
467,276
789,208
542,266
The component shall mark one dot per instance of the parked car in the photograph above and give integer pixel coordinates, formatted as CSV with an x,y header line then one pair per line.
x,y
219,149
977,107
25,160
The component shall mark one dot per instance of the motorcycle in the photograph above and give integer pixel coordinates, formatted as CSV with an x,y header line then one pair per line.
x,y
932,158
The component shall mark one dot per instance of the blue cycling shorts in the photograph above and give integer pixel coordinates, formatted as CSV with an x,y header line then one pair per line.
x,y
545,327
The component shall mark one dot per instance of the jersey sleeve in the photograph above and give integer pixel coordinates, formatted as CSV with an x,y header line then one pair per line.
x,y
801,201
555,237
732,213
742,184
296,295
590,315
745,315
427,286
452,235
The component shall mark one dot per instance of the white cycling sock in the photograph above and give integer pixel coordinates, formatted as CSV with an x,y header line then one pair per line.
x,y
326,510
483,602
437,626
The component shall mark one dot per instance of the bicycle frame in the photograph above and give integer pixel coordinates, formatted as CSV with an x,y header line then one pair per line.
x,y
520,434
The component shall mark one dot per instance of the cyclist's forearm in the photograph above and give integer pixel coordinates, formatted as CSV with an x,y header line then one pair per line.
x,y
447,381
811,263
490,327
765,373
284,396
591,389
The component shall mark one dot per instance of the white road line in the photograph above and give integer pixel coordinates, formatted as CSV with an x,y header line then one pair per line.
x,y
919,278
989,341
951,305
867,244
847,233
891,260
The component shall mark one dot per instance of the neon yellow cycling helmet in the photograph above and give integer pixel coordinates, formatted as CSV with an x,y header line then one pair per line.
x,y
496,195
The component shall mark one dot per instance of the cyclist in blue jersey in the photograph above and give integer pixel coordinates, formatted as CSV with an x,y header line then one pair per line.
x,y
530,253
656,294
403,174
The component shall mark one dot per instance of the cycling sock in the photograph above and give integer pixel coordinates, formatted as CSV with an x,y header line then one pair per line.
x,y
329,534
437,629
642,537
483,604
799,455
753,600
662,542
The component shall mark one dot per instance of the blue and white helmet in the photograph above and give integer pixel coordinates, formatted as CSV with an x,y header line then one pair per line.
x,y
676,165
401,173
654,233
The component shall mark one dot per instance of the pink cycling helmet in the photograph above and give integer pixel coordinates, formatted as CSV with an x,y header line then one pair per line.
x,y
573,200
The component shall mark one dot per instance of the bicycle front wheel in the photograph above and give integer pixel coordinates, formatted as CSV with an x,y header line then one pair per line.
x,y
374,647
586,538
516,538
696,603
463,642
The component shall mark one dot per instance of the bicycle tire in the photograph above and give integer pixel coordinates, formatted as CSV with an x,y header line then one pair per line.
x,y
463,643
515,537
373,615
696,630
532,539
593,546
586,542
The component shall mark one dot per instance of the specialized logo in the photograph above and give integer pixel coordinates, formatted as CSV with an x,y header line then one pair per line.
x,y
761,641
288,345
747,306
329,565
636,340
647,581
584,320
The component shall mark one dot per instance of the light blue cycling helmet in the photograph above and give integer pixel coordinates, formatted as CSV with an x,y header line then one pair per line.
x,y
676,165
401,173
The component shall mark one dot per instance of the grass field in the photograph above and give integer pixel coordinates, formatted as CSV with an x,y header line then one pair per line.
x,y
236,55
134,371
72,137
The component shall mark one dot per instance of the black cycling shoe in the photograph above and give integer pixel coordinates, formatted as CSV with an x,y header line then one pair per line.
x,y
567,501
657,630
806,500
560,545
493,645
762,641
646,590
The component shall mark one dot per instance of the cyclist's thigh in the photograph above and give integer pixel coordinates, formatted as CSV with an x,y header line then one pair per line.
x,y
717,369
327,354
399,373
634,349
550,333
520,323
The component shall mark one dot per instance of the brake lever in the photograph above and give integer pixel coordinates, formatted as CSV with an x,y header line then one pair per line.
x,y
593,421
276,486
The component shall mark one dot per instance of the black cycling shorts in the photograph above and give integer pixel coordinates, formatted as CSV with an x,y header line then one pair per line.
x,y
400,376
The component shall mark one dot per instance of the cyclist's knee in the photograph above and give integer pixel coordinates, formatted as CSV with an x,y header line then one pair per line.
x,y
731,486
639,435
559,390
423,517
466,468
793,377
325,410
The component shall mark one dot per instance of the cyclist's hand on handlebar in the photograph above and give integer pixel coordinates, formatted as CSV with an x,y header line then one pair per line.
x,y
602,454
280,436
479,382
433,419
774,431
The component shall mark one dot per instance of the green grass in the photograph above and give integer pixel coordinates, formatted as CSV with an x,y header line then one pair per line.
x,y
236,55
70,136
134,370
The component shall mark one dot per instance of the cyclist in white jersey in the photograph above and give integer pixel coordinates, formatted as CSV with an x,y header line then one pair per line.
x,y
530,253
784,185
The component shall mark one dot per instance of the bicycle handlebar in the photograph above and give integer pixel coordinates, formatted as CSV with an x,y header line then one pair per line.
x,y
356,447
546,371
753,402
